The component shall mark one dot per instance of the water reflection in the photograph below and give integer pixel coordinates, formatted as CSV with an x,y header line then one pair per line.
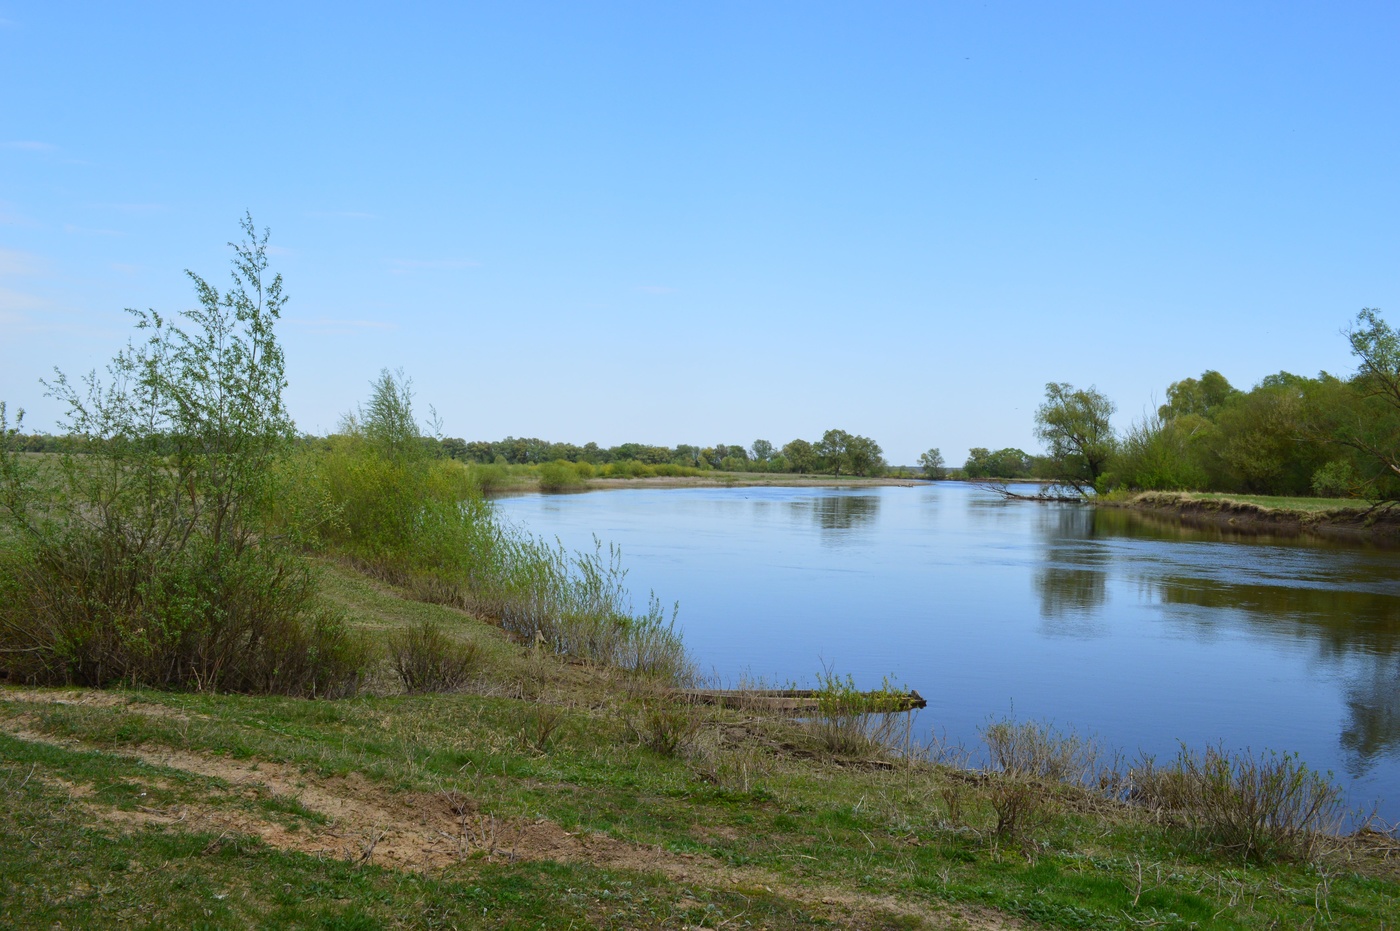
x,y
1373,708
1342,604
1071,581
1339,622
836,515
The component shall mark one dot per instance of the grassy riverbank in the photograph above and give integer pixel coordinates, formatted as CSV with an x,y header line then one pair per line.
x,y
1328,518
551,793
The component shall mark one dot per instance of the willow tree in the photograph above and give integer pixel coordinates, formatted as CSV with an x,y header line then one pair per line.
x,y
1074,425
1372,427
141,556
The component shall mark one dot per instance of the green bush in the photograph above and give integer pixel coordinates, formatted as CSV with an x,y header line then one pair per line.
x,y
489,477
559,476
1258,807
625,468
145,557
852,723
1034,750
1336,480
81,611
427,660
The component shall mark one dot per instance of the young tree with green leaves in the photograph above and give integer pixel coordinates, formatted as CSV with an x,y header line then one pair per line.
x,y
144,558
1008,463
800,456
932,464
1372,427
1074,425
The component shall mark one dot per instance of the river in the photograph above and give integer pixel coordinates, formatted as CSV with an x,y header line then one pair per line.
x,y
1135,630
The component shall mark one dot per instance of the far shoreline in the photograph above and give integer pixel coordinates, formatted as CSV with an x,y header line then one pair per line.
x,y
1357,524
714,480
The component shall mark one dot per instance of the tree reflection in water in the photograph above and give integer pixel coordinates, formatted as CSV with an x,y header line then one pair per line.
x,y
1373,706
1349,615
1072,581
835,515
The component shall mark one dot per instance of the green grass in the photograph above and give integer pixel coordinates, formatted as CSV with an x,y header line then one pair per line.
x,y
756,825
1277,502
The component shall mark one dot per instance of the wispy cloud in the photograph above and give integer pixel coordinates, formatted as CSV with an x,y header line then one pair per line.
x,y
332,325
14,262
131,208
654,289
405,266
16,304
279,250
126,268
72,230
29,145
342,214
8,216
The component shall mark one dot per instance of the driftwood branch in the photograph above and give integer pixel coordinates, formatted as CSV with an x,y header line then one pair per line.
x,y
1051,493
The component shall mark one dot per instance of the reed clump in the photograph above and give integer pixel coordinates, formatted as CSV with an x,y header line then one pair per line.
x,y
426,659
665,726
1258,806
1028,760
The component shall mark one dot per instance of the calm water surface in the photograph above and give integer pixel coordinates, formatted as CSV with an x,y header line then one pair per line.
x,y
1139,632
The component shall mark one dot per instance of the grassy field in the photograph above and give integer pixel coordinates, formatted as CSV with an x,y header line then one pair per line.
x,y
555,794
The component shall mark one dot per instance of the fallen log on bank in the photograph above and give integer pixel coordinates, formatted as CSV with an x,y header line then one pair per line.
x,y
796,701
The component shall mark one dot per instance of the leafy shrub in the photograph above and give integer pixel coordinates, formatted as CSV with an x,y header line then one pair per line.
x,y
143,556
1336,480
559,476
625,468
1035,750
1021,805
666,727
489,477
1257,806
427,660
77,611
852,723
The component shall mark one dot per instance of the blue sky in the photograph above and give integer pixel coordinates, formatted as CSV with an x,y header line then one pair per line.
x,y
712,222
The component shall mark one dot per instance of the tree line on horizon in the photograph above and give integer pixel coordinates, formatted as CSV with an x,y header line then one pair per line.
x,y
837,452
1289,435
